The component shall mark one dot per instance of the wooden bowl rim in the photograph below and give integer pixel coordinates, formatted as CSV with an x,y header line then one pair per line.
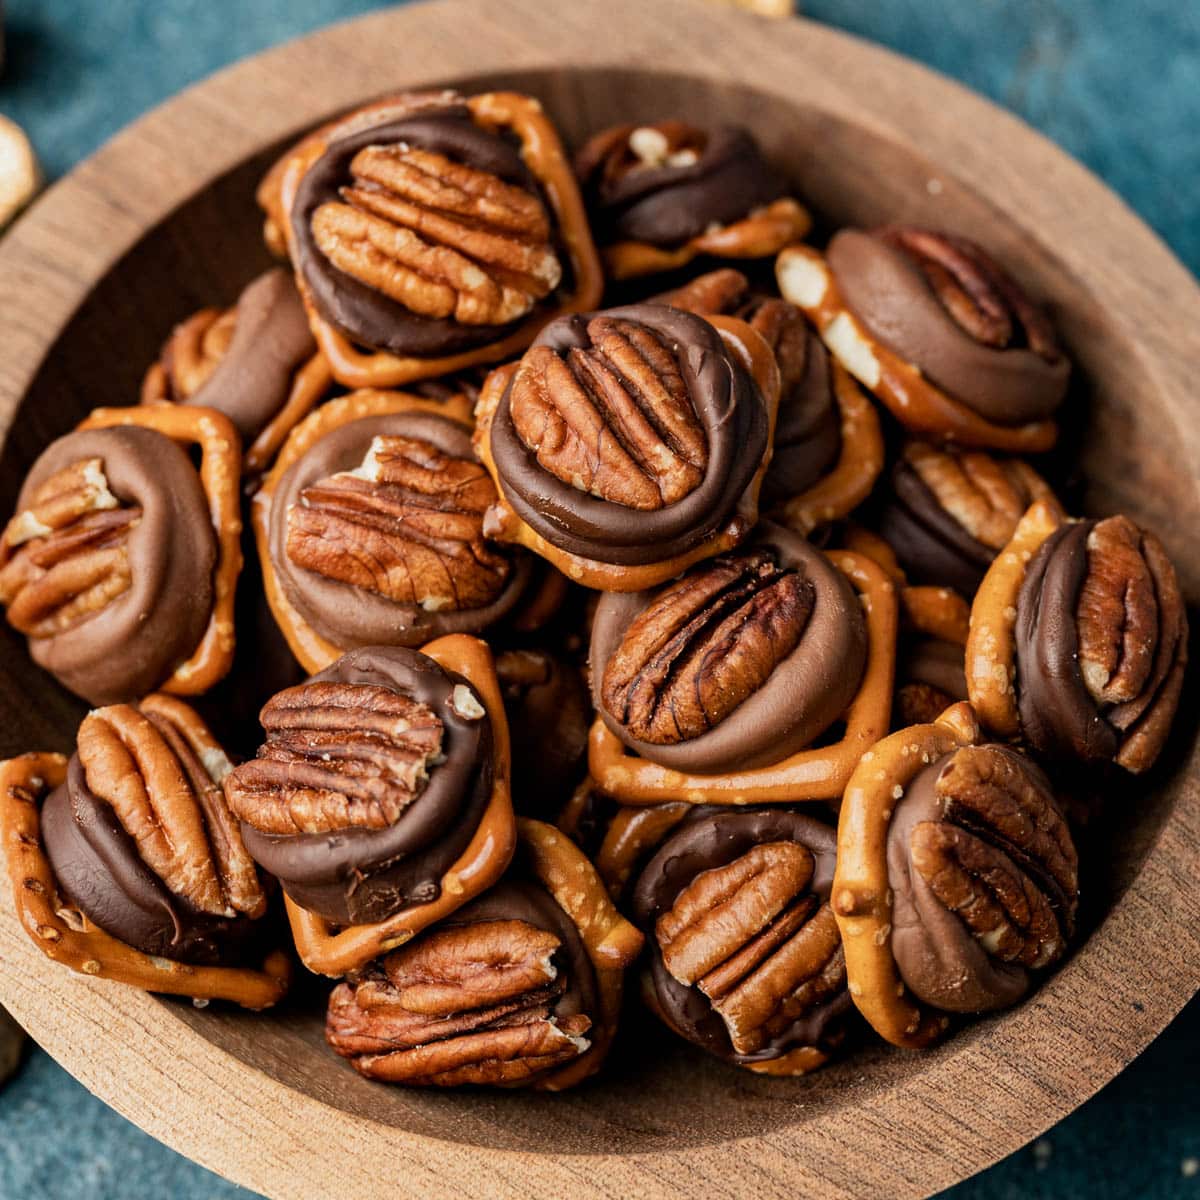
x,y
967,1108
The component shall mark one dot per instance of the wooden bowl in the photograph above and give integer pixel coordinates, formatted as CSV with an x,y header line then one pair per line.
x,y
161,221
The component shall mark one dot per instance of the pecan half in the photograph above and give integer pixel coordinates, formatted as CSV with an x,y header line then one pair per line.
x,y
407,525
466,1004
986,495
756,942
1001,857
336,756
65,557
705,644
615,418
1116,614
444,239
982,298
165,790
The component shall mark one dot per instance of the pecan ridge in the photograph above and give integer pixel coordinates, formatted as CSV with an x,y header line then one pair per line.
x,y
614,419
336,756
66,556
444,239
704,645
407,525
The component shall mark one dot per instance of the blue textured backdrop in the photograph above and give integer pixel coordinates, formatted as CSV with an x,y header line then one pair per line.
x,y
1116,82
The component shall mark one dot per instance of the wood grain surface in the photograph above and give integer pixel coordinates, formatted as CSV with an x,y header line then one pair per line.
x,y
161,221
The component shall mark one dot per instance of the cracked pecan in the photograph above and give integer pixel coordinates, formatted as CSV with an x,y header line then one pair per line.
x,y
163,782
999,855
704,645
613,417
984,301
337,756
407,525
471,1003
986,495
445,239
65,557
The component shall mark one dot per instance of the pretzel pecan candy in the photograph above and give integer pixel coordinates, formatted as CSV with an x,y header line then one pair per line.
x,y
519,988
375,535
743,661
107,566
1079,640
660,194
939,332
950,512
256,362
549,715
142,843
625,441
745,956
828,448
957,878
430,232
374,776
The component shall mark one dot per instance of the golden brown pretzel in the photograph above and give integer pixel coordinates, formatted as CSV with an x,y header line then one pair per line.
x,y
862,897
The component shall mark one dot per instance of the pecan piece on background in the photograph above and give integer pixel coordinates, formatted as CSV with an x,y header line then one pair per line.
x,y
985,876
500,996
746,957
705,644
65,557
613,418
406,524
1101,644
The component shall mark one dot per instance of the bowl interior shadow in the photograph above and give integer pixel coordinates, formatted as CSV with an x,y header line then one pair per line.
x,y
657,1093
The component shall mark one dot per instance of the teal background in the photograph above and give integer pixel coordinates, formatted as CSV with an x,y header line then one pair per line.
x,y
1115,82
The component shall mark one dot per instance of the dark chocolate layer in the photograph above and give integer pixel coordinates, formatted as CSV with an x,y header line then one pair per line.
x,y
364,315
939,959
1058,715
359,876
887,292
933,548
804,695
668,205
729,407
711,838
128,647
98,869
271,341
351,616
808,430
935,662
